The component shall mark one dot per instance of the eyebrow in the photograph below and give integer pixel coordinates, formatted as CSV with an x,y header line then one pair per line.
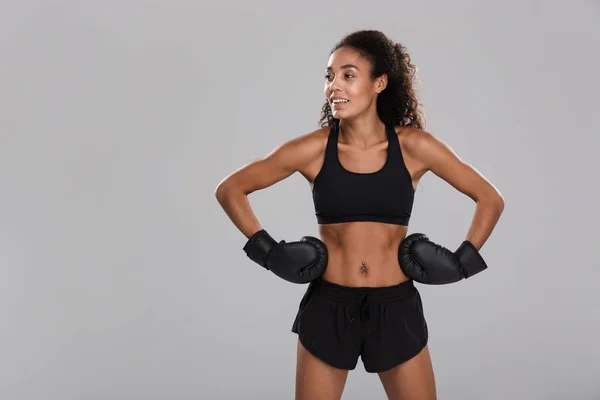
x,y
344,67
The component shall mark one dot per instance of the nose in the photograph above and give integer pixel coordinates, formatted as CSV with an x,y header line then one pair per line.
x,y
334,85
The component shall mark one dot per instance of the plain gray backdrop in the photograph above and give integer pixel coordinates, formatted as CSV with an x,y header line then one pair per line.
x,y
122,278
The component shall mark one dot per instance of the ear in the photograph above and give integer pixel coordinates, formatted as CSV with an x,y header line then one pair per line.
x,y
381,83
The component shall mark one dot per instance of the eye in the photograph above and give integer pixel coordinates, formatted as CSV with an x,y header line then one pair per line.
x,y
328,76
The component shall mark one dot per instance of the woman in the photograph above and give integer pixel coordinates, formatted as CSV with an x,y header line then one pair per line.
x,y
363,165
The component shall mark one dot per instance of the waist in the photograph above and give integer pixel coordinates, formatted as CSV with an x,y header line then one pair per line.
x,y
364,275
347,294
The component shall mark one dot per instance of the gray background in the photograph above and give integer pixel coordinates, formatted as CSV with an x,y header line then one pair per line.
x,y
122,278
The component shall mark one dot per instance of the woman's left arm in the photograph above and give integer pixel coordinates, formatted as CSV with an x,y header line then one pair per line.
x,y
436,156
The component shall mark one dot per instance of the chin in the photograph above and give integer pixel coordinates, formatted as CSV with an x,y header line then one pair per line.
x,y
343,114
340,114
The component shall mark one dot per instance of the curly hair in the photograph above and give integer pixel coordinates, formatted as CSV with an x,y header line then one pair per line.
x,y
397,104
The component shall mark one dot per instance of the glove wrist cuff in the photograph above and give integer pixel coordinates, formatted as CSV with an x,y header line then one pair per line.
x,y
258,246
470,259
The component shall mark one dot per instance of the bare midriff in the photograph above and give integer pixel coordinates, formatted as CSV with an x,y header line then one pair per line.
x,y
363,254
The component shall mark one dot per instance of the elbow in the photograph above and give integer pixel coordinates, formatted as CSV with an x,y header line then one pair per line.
x,y
221,191
225,189
500,206
493,199
497,202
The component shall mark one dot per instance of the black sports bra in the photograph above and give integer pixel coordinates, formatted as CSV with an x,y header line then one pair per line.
x,y
385,195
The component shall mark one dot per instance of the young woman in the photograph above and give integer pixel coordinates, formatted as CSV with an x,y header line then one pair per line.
x,y
363,166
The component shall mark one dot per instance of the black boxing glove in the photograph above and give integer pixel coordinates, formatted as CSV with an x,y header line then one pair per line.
x,y
296,262
429,263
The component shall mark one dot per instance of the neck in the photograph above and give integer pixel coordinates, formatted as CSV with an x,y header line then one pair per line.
x,y
362,133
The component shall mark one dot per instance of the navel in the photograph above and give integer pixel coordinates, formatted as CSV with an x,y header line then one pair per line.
x,y
363,268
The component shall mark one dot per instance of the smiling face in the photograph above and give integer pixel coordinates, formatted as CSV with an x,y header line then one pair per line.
x,y
348,85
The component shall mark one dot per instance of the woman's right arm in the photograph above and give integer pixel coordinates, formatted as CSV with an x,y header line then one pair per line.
x,y
232,192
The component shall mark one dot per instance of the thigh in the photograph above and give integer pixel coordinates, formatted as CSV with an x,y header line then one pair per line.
x,y
316,380
411,380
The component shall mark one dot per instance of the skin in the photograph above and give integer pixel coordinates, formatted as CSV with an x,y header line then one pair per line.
x,y
361,253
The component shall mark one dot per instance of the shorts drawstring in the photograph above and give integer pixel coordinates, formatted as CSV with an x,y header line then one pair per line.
x,y
363,308
363,301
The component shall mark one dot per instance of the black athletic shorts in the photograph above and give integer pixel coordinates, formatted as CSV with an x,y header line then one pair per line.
x,y
385,326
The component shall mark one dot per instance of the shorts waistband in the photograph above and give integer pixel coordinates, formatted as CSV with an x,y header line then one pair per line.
x,y
347,294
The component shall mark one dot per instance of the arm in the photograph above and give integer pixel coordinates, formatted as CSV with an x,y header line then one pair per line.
x,y
232,192
428,262
296,262
440,159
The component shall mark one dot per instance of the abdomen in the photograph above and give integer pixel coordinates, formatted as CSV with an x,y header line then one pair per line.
x,y
363,254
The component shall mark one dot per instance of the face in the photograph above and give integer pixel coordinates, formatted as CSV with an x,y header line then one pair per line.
x,y
347,77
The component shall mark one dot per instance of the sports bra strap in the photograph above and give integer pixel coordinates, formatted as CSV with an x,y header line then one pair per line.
x,y
331,149
395,153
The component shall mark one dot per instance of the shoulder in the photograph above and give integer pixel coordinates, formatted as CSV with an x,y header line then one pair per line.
x,y
432,154
314,139
303,148
310,142
415,141
424,149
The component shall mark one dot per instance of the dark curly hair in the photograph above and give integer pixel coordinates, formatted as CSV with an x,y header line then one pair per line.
x,y
397,104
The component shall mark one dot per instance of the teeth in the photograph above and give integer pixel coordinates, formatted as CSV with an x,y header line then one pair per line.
x,y
340,101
